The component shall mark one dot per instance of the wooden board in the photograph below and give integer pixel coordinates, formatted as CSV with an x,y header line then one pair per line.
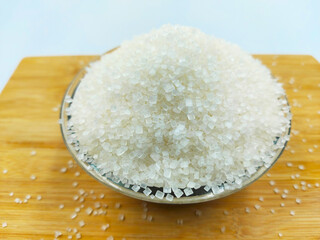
x,y
28,122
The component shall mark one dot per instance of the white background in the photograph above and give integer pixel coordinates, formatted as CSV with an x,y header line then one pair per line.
x,y
75,27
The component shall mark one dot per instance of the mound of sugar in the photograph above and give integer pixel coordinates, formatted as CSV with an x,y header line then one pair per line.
x,y
178,108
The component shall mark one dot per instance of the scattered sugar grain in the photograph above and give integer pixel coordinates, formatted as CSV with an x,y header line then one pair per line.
x,y
198,213
33,177
272,211
283,196
101,196
78,235
117,205
291,81
257,206
75,184
150,218
121,217
309,185
289,164
276,190
110,238
77,209
28,196
11,194
73,215
282,204
63,170
296,186
225,212
272,183
180,221
280,234
61,206
261,199
317,185
301,167
4,224
303,188
104,227
82,223
286,191
298,200
77,174
75,197
223,229
5,171
57,234
33,153
310,150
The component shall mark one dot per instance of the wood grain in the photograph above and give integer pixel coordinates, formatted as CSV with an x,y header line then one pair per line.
x,y
28,122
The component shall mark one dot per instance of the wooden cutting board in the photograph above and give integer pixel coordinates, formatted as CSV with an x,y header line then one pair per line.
x,y
29,122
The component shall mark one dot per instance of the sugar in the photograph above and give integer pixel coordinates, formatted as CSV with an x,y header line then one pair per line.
x,y
166,106
82,223
276,190
63,170
289,164
89,210
272,211
298,200
261,199
292,213
147,191
57,234
188,191
61,206
33,153
272,183
121,217
159,194
223,229
198,213
104,227
33,177
169,197
4,171
4,224
257,206
177,192
247,210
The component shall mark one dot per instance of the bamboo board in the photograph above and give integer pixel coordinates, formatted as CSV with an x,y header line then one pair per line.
x,y
28,122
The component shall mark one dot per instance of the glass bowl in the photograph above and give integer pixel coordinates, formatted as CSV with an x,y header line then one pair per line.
x,y
199,195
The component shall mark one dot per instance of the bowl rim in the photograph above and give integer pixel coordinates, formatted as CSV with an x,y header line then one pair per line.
x,y
71,90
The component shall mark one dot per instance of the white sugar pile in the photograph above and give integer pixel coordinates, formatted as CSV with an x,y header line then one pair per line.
x,y
179,108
